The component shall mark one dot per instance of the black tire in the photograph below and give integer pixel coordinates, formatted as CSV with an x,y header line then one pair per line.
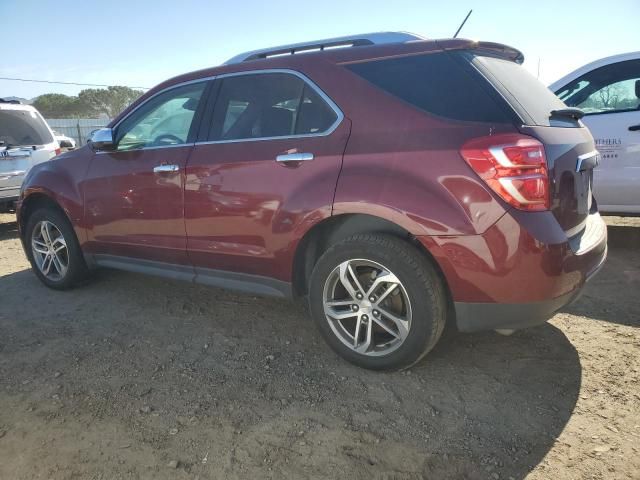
x,y
421,282
77,270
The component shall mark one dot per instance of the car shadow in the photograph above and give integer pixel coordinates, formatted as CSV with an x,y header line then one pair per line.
x,y
610,295
477,405
623,236
8,230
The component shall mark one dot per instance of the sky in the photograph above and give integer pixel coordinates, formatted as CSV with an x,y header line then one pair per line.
x,y
140,43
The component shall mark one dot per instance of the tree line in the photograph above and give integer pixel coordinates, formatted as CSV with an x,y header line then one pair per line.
x,y
89,103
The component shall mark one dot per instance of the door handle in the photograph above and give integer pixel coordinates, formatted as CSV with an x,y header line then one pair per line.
x,y
634,128
166,168
294,157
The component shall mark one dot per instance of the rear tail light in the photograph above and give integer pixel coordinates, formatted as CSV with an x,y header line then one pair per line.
x,y
58,151
514,166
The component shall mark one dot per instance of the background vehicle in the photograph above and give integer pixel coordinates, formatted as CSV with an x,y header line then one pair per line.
x,y
608,91
25,140
397,183
64,141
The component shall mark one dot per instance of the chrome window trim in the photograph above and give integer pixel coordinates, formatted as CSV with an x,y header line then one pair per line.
x,y
307,81
301,76
102,152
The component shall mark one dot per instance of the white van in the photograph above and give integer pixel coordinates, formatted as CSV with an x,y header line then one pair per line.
x,y
25,140
608,92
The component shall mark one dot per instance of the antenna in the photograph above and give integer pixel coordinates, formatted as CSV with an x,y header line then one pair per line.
x,y
462,24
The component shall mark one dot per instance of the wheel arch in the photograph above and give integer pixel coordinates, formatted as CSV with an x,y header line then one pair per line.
x,y
32,203
338,227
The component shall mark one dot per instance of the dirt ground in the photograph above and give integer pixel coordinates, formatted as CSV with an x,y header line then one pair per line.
x,y
138,377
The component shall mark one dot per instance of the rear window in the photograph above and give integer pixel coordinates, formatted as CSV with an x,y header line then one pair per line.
x,y
437,84
525,92
23,128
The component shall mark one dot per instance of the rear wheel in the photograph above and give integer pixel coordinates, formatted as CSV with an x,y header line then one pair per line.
x,y
378,301
53,249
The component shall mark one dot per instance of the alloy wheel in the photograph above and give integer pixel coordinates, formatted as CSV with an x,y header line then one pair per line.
x,y
367,307
49,249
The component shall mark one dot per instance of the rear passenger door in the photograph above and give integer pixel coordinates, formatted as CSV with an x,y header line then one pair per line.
x,y
264,169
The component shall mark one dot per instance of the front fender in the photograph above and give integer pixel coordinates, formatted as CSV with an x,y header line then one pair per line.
x,y
59,181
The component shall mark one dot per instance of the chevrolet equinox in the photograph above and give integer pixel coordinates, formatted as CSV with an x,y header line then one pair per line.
x,y
397,183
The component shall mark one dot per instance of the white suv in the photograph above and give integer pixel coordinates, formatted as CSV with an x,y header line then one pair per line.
x,y
25,140
608,92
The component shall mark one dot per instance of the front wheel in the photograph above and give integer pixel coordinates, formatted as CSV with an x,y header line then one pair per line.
x,y
378,302
53,249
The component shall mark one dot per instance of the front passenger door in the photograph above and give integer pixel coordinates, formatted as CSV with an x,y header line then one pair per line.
x,y
134,204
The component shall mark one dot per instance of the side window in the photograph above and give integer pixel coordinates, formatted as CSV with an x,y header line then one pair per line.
x,y
314,114
268,105
608,89
164,120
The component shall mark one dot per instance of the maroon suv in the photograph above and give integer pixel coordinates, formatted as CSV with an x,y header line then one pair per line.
x,y
399,183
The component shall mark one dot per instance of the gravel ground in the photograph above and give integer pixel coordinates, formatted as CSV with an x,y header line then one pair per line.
x,y
138,377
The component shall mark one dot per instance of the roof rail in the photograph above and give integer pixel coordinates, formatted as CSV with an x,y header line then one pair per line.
x,y
14,101
378,38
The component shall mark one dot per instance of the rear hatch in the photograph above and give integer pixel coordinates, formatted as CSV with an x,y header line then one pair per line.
x,y
569,147
25,140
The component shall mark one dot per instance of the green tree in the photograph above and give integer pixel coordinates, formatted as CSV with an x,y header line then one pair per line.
x,y
56,105
108,101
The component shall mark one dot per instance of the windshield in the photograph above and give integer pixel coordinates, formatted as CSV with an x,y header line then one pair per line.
x,y
23,128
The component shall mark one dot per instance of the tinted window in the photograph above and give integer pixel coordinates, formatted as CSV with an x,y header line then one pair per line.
x,y
435,83
23,127
612,88
525,92
268,105
163,121
314,115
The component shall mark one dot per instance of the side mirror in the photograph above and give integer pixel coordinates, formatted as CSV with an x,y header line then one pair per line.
x,y
102,139
65,144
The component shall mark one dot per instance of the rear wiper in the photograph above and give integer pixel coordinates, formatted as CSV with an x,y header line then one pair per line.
x,y
571,112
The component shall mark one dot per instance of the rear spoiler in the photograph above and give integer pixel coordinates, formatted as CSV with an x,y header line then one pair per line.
x,y
492,48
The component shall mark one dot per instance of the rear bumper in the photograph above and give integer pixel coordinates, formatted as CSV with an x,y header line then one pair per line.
x,y
520,271
473,317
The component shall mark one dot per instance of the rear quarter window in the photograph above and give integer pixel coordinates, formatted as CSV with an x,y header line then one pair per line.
x,y
530,97
438,84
